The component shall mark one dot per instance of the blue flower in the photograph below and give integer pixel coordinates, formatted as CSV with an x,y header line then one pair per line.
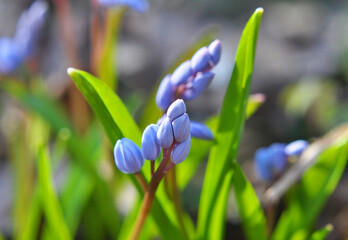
x,y
128,156
296,147
138,5
14,51
270,161
10,57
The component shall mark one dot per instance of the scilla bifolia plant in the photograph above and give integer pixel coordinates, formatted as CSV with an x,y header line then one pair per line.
x,y
173,133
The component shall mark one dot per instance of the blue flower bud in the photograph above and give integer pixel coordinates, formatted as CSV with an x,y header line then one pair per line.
x,y
215,51
9,56
296,147
165,134
176,109
270,161
200,61
182,73
165,94
199,130
138,5
200,83
278,157
128,157
181,151
149,143
262,164
181,127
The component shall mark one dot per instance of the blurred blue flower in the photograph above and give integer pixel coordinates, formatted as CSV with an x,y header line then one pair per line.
x,y
138,5
10,57
270,161
14,51
199,130
128,156
296,147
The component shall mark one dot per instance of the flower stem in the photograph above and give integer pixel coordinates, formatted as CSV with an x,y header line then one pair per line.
x,y
150,195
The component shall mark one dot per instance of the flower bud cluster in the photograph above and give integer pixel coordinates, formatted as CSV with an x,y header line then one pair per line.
x,y
270,162
14,51
187,82
173,135
190,78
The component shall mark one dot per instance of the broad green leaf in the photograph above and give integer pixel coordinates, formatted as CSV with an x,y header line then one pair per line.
x,y
249,207
322,233
151,112
52,210
118,123
309,196
108,107
230,126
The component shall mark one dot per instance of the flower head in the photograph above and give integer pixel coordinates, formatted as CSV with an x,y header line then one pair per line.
x,y
271,161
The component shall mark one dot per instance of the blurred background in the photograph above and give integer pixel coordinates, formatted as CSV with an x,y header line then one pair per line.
x,y
301,66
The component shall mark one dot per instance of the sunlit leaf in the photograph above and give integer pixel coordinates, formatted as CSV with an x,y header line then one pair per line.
x,y
49,200
229,129
322,233
249,207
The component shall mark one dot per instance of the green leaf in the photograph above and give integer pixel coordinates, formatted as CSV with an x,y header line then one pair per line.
x,y
231,122
151,112
49,200
118,123
81,150
309,196
322,233
249,207
108,107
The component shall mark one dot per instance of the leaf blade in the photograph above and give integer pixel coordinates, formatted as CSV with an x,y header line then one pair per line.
x,y
230,126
